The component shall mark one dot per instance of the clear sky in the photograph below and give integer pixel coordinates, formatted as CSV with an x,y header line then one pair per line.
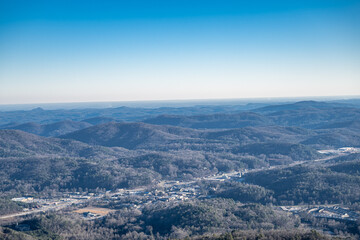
x,y
73,50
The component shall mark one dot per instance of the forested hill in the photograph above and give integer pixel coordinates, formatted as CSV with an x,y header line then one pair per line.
x,y
154,152
43,116
237,120
247,112
15,143
308,116
51,130
130,135
302,105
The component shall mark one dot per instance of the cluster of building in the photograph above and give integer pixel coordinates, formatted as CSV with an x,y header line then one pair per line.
x,y
328,211
47,204
23,199
169,191
340,150
141,198
166,191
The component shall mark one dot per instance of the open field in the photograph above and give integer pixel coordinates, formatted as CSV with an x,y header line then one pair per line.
x,y
100,211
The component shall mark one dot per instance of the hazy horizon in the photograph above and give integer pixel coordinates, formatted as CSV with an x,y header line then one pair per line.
x,y
109,51
172,103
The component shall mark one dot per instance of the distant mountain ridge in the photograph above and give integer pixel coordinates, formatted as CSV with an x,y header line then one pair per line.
x,y
311,123
219,120
128,135
132,114
51,130
42,116
308,114
16,143
99,120
302,105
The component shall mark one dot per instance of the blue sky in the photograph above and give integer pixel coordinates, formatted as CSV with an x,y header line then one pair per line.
x,y
70,51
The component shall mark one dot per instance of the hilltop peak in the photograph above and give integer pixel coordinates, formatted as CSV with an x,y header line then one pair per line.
x,y
38,109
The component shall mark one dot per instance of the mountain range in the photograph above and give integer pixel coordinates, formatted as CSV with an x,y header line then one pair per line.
x,y
102,151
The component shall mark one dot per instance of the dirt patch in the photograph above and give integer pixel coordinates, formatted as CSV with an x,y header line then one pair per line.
x,y
100,211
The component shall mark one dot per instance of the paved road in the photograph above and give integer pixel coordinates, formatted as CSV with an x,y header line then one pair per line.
x,y
20,214
40,210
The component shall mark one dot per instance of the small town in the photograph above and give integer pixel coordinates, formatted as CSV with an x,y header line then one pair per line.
x,y
170,191
165,191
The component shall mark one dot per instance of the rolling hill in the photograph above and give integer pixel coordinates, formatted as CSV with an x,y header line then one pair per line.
x,y
213,121
16,143
302,105
129,135
99,120
51,130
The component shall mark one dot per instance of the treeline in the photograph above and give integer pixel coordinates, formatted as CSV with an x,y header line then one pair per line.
x,y
339,183
8,206
272,235
214,219
163,221
56,227
335,184
238,191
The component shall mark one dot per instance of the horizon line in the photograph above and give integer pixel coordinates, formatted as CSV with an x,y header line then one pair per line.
x,y
248,100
